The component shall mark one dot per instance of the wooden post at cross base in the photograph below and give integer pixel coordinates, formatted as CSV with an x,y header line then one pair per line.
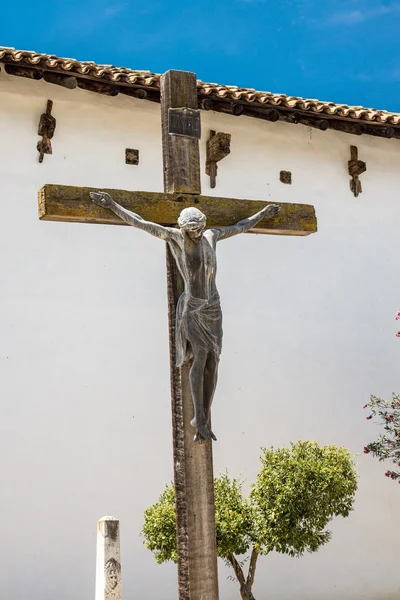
x,y
193,470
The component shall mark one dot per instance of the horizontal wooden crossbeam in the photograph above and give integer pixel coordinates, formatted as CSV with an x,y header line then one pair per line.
x,y
73,204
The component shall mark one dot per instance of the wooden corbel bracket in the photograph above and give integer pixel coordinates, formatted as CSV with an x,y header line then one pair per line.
x,y
218,146
47,126
356,168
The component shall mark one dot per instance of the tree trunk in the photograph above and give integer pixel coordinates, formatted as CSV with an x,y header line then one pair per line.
x,y
245,584
246,593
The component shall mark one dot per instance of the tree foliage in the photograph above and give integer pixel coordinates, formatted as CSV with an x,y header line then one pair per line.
x,y
387,446
159,529
233,517
297,492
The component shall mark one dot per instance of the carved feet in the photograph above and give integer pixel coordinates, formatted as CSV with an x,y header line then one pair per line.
x,y
203,432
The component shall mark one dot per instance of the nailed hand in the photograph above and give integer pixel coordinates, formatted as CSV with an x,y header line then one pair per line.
x,y
102,199
272,210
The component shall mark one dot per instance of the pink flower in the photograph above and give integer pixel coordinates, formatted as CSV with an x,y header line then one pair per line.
x,y
398,316
366,451
370,417
398,334
365,405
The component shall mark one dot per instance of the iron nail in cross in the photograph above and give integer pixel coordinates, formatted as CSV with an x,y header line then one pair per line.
x,y
193,470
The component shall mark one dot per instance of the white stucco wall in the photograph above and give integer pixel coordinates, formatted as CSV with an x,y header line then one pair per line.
x,y
84,379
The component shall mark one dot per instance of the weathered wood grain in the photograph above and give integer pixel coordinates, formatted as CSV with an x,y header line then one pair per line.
x,y
46,129
98,87
19,71
67,81
217,148
73,204
180,154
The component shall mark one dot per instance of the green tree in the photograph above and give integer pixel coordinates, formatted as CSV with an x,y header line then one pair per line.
x,y
296,494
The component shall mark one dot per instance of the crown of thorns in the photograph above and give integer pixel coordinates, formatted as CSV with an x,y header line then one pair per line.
x,y
190,217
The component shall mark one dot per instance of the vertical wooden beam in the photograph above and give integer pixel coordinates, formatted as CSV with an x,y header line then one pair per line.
x,y
193,464
181,155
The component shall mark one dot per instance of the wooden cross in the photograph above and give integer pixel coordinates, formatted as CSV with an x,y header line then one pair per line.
x,y
193,466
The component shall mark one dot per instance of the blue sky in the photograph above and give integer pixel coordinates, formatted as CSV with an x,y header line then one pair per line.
x,y
344,50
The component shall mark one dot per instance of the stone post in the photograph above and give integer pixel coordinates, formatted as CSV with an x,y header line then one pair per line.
x,y
108,560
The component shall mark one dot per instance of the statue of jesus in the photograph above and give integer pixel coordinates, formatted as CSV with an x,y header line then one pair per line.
x,y
198,313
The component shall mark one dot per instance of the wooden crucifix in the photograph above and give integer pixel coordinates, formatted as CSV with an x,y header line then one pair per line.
x,y
193,467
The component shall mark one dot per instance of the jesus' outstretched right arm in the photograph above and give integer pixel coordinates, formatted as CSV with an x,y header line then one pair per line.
x,y
103,199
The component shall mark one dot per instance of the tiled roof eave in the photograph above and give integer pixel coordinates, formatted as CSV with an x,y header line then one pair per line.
x,y
228,99
135,79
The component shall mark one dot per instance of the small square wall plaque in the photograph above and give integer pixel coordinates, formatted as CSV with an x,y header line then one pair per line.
x,y
286,177
131,156
185,122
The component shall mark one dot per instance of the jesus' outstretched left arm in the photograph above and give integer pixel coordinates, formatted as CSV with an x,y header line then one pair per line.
x,y
244,225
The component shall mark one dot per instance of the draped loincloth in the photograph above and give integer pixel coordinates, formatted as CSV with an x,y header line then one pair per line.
x,y
201,319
